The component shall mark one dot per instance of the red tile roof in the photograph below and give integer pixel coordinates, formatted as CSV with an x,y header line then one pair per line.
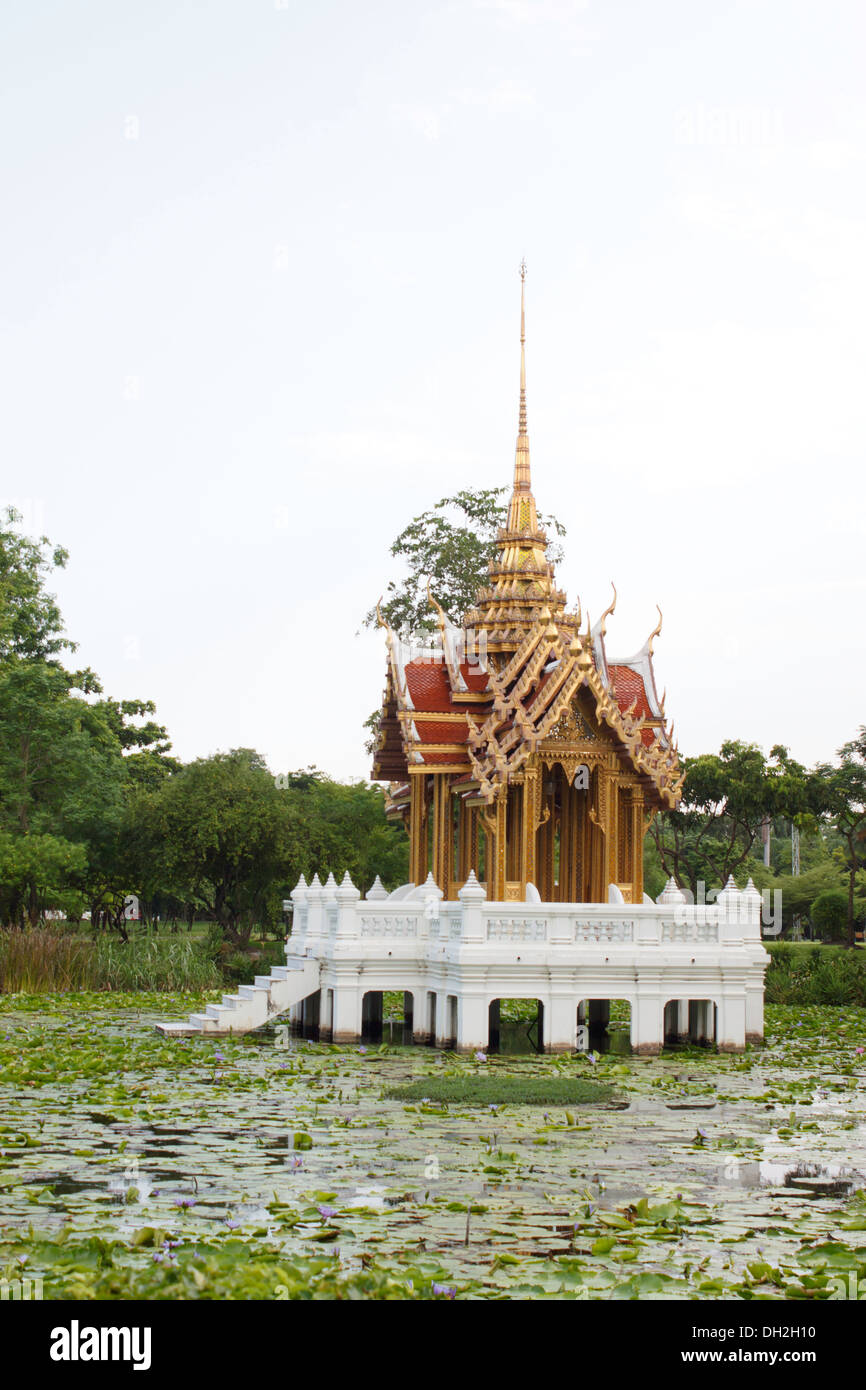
x,y
428,685
441,731
474,677
627,686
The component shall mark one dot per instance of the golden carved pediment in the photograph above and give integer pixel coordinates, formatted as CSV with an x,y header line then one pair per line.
x,y
572,726
576,726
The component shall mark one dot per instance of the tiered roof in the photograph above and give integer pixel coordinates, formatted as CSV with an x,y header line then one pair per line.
x,y
479,701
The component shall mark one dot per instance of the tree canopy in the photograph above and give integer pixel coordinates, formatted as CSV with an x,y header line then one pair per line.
x,y
449,546
726,797
844,787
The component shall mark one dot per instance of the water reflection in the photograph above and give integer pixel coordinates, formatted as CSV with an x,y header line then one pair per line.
x,y
817,1178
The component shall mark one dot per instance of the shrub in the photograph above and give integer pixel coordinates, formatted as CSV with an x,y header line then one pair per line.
x,y
829,913
239,967
815,975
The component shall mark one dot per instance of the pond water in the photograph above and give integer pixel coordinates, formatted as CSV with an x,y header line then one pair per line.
x,y
702,1177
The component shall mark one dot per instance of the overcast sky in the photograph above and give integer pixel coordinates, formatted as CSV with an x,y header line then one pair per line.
x,y
261,307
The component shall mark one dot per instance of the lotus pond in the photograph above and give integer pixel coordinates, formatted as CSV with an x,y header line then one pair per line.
x,y
138,1166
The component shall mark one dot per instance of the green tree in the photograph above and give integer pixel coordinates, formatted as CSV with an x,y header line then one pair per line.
x,y
341,828
30,621
218,831
845,791
60,778
725,798
829,913
449,547
67,756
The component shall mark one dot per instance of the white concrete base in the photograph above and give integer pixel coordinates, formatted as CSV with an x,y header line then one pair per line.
x,y
697,969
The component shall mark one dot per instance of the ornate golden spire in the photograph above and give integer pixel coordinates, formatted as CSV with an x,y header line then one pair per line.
x,y
522,515
521,578
521,459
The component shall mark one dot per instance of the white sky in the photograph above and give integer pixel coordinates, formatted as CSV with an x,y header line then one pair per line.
x,y
260,307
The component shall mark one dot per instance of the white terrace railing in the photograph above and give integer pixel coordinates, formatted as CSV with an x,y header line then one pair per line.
x,y
327,917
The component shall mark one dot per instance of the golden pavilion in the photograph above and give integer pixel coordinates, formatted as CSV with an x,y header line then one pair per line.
x,y
514,746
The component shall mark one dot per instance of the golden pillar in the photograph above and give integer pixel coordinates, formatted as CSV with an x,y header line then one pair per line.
x,y
531,817
637,829
418,827
495,822
443,833
612,861
599,836
467,840
546,837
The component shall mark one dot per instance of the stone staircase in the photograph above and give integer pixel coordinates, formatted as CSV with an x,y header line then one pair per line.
x,y
253,1005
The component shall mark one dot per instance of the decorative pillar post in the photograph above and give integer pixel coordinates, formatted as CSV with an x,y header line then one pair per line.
x,y
472,896
443,832
461,868
417,826
295,940
315,914
637,825
468,834
500,841
564,894
612,826
544,866
598,814
348,896
531,781
329,915
473,838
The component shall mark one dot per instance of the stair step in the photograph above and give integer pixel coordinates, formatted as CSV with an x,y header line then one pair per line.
x,y
254,1004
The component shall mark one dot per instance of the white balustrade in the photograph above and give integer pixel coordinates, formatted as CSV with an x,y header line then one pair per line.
x,y
650,953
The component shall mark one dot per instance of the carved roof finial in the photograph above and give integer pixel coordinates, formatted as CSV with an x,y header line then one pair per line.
x,y
608,612
656,632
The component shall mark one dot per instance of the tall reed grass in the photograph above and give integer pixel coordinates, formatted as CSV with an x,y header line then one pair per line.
x,y
46,961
